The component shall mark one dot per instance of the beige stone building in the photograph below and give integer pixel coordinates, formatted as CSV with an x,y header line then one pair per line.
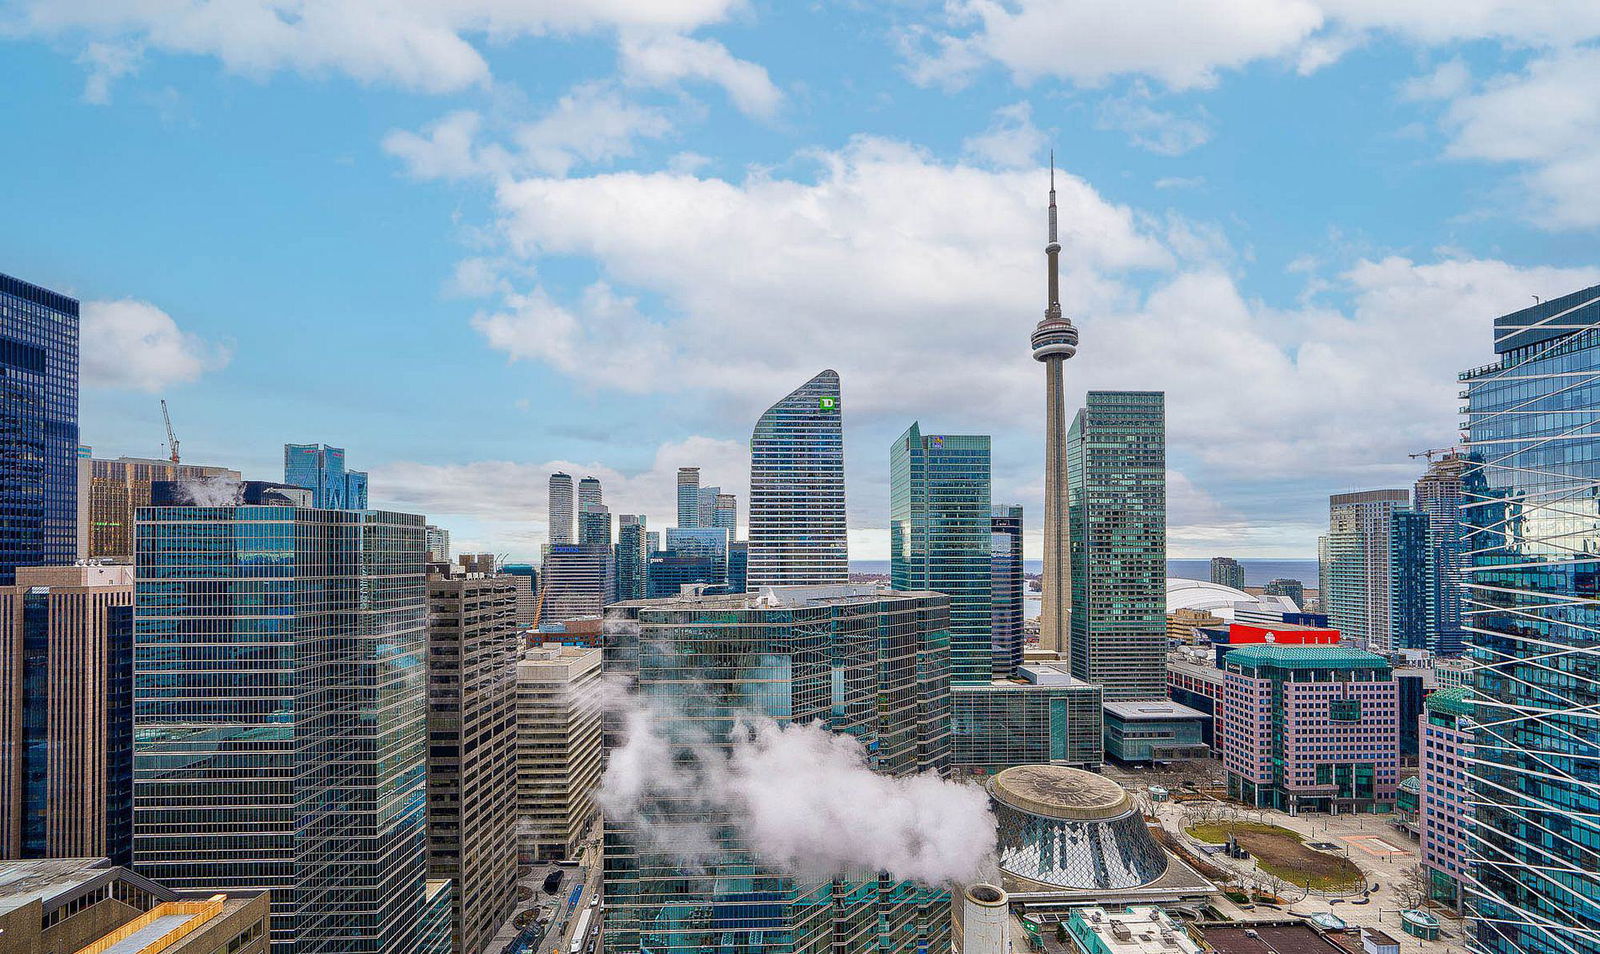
x,y
558,748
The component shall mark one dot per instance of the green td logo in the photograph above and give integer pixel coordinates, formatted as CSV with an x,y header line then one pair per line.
x,y
828,403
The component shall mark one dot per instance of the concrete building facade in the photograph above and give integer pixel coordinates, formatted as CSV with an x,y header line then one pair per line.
x,y
558,749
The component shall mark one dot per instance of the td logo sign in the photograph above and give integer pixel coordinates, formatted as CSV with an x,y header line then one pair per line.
x,y
828,403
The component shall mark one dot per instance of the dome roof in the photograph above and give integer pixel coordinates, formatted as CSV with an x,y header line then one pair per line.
x,y
1201,595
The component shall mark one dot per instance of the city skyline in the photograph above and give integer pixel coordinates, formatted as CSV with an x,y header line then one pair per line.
x,y
455,202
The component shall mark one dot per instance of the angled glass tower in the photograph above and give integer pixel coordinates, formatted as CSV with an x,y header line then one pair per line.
x,y
1117,515
797,517
939,537
1532,524
38,427
279,718
320,468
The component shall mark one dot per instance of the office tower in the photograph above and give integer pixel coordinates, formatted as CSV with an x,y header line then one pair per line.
x,y
1054,340
438,541
652,540
797,517
1310,728
280,718
472,750
1117,508
670,571
561,508
725,513
939,537
688,496
1444,797
39,424
710,543
526,579
868,663
633,559
66,685
116,490
1006,584
578,581
738,566
594,525
1355,557
589,494
1411,580
707,505
1439,494
1293,589
89,906
1228,572
1532,521
559,704
321,469
476,562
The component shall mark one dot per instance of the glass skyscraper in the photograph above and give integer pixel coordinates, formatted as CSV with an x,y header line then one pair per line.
x,y
870,664
1411,580
320,468
797,516
708,542
38,427
1006,583
561,508
1355,555
280,706
688,497
1117,524
1438,493
939,537
1532,519
632,559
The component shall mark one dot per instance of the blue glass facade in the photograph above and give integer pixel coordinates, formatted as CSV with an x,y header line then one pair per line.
x,y
708,542
38,427
1532,521
797,516
279,716
939,537
1411,580
632,560
875,667
321,469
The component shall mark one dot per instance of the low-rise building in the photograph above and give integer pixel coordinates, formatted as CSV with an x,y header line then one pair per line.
x,y
1182,622
1133,930
1154,730
1043,715
558,749
1311,728
57,905
1194,681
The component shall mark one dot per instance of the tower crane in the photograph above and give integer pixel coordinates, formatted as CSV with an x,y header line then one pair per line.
x,y
172,439
1436,450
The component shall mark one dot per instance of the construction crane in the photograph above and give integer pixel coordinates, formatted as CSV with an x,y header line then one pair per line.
x,y
172,439
1436,450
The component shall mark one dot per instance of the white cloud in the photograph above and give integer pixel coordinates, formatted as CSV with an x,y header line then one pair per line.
x,y
1184,45
134,345
1546,118
1447,81
106,63
592,123
1012,141
426,45
919,281
667,59
500,505
1159,131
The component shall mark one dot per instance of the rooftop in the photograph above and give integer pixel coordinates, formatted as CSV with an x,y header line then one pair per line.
x,y
1152,709
50,879
1304,657
1453,701
1244,937
1135,931
1056,791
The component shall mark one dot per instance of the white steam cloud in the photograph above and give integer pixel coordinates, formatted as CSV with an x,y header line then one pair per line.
x,y
802,798
219,491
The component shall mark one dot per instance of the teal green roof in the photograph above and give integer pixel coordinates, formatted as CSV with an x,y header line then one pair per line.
x,y
1457,700
1304,657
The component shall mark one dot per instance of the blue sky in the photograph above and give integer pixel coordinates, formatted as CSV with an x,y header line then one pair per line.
x,y
471,241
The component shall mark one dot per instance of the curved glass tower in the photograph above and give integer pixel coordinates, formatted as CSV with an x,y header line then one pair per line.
x,y
797,528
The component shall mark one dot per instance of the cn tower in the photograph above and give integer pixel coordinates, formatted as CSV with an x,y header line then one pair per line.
x,y
1054,341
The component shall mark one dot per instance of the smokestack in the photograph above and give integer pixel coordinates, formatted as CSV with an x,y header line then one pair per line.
x,y
985,921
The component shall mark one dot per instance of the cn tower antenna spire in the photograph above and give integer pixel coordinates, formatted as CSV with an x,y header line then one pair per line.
x,y
1053,250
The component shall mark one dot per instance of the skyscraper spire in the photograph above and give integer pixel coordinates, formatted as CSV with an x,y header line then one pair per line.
x,y
1052,251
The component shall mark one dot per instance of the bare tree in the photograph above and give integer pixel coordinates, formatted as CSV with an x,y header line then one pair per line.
x,y
1411,890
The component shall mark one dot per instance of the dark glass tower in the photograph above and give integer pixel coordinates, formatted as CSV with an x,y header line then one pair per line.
x,y
939,529
38,427
1532,524
1006,588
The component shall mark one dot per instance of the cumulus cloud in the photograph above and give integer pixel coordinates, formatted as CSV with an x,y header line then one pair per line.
x,y
592,123
135,345
1156,130
668,59
919,280
500,504
1545,119
425,45
1011,142
1184,45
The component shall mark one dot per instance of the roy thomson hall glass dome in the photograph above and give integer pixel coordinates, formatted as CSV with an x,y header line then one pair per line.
x,y
1067,828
